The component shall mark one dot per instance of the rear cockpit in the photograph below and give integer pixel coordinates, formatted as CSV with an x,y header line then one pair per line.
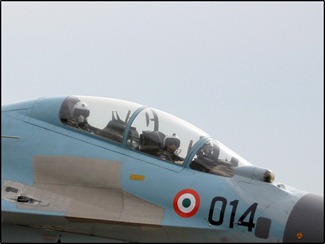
x,y
148,131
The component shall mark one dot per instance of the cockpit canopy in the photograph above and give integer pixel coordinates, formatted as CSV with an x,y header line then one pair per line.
x,y
145,129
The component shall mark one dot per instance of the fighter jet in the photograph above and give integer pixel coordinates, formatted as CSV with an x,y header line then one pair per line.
x,y
91,169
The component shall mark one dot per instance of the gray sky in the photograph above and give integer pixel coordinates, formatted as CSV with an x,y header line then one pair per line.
x,y
250,74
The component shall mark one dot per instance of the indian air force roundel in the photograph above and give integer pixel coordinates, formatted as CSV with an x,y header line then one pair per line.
x,y
186,203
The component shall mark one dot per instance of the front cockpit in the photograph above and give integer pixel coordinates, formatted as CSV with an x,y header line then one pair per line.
x,y
146,130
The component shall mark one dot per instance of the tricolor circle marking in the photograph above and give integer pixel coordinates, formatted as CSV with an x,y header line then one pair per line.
x,y
186,203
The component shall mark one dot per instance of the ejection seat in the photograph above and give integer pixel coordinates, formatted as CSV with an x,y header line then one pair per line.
x,y
114,130
151,142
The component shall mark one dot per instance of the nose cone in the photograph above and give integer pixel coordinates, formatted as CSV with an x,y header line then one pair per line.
x,y
306,220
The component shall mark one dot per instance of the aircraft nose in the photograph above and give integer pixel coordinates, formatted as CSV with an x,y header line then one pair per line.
x,y
306,220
